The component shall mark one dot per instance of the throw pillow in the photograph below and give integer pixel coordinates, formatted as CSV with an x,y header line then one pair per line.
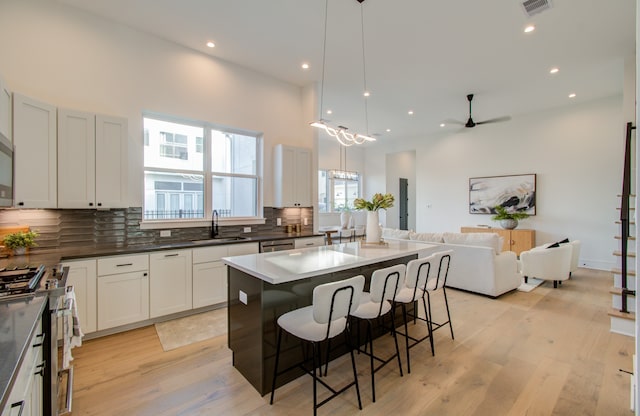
x,y
557,244
429,237
395,233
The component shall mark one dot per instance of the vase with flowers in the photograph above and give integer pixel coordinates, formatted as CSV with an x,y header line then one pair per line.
x,y
379,201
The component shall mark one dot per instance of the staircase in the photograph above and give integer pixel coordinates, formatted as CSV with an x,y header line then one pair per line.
x,y
623,292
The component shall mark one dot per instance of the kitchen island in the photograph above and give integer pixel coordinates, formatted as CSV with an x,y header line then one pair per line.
x,y
264,286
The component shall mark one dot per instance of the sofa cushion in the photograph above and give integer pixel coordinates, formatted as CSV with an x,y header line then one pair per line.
x,y
430,237
395,233
491,240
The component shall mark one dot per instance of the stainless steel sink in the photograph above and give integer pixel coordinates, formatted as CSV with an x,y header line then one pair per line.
x,y
219,240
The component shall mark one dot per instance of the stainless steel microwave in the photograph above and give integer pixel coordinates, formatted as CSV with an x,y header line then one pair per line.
x,y
6,172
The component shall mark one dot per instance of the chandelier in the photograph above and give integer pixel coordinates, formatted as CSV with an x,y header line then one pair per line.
x,y
340,133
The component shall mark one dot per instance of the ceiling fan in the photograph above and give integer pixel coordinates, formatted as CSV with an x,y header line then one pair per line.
x,y
470,123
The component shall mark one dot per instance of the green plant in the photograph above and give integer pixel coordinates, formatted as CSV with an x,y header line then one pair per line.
x,y
20,239
378,201
503,214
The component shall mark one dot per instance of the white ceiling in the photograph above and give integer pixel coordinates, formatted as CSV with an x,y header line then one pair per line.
x,y
421,55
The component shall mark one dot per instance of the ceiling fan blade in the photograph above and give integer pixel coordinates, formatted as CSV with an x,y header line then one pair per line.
x,y
494,120
451,121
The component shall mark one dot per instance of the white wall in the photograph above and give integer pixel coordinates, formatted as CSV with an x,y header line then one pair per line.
x,y
73,59
576,152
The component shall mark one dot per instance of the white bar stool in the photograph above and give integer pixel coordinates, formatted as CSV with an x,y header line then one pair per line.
x,y
374,304
325,319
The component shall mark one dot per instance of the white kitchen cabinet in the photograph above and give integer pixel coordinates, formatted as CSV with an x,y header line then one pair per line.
x,y
5,111
306,242
26,395
83,277
210,273
111,161
292,176
123,290
170,284
35,157
92,160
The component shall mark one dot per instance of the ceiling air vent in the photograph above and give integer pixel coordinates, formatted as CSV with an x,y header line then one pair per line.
x,y
532,7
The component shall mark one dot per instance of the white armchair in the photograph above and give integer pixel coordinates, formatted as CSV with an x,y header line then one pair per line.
x,y
575,256
547,264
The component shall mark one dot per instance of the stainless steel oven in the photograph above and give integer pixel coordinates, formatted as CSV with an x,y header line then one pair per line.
x,y
6,172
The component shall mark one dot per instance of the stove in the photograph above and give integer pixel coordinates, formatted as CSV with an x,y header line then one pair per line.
x,y
18,281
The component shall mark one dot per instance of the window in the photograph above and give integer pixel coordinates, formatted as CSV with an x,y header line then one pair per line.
x,y
194,168
337,188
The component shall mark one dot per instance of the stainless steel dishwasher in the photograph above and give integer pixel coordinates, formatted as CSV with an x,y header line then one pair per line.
x,y
276,245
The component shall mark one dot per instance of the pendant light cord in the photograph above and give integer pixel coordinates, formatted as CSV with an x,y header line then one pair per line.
x,y
324,58
364,70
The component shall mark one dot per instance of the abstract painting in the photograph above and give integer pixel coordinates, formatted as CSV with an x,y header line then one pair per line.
x,y
514,192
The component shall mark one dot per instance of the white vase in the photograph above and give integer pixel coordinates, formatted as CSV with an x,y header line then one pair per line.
x,y
374,232
345,218
19,251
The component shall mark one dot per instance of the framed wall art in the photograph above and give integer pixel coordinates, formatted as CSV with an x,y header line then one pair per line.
x,y
514,192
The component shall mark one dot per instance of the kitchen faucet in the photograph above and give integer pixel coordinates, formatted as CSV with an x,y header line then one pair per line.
x,y
214,223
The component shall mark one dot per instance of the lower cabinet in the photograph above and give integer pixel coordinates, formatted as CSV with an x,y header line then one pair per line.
x,y
170,283
83,277
210,273
123,290
26,396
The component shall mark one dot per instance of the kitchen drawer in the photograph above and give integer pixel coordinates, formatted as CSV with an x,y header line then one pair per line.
x,y
309,242
207,254
242,249
123,264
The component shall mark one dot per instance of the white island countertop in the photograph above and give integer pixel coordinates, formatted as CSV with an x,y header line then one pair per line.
x,y
290,265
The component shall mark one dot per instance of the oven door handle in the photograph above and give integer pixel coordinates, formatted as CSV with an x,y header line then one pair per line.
x,y
69,395
66,310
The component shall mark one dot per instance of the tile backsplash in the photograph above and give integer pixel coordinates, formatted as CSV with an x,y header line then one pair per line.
x,y
68,228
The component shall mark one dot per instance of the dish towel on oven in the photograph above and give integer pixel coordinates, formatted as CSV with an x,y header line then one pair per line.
x,y
72,333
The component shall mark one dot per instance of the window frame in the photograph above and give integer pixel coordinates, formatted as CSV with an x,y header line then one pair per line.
x,y
208,175
330,188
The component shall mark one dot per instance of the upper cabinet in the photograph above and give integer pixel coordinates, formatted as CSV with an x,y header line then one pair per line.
x,y
34,138
92,160
292,176
5,110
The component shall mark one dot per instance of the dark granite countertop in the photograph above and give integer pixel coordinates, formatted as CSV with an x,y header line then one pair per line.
x,y
52,258
17,325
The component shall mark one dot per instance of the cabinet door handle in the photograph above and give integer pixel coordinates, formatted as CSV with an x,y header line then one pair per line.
x,y
90,204
21,204
21,404
41,366
171,255
99,204
124,264
144,274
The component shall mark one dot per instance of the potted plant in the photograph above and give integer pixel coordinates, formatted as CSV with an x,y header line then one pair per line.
x,y
20,241
508,219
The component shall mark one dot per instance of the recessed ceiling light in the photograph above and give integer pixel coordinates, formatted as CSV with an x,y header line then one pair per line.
x,y
305,65
211,44
572,95
554,71
529,29
367,93
410,112
388,130
329,112
442,124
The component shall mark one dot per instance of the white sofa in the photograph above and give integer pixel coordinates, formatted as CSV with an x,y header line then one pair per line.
x,y
477,265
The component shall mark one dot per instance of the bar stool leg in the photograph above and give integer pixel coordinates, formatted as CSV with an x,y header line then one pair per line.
x,y
275,368
406,337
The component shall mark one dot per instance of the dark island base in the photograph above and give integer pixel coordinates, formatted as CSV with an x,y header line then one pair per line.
x,y
252,327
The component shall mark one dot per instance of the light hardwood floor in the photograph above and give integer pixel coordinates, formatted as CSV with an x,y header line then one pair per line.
x,y
546,352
